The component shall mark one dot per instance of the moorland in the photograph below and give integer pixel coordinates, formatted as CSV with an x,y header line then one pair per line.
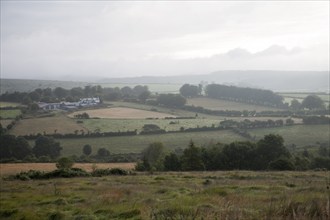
x,y
150,128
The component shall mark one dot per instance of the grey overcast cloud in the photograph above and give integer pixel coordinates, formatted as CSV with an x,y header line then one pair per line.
x,y
103,39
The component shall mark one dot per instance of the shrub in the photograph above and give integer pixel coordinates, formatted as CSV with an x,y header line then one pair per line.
x,y
102,152
66,173
64,163
108,172
321,162
281,164
87,149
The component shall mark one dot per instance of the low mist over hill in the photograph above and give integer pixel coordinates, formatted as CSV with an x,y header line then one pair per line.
x,y
317,81
295,81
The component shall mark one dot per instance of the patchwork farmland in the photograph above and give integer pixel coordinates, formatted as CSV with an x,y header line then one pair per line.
x,y
139,195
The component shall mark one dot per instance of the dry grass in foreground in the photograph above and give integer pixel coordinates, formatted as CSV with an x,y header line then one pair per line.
x,y
176,195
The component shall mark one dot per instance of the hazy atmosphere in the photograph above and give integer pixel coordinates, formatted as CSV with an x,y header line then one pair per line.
x,y
88,40
165,109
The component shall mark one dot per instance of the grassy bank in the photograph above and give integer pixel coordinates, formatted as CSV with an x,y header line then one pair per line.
x,y
197,195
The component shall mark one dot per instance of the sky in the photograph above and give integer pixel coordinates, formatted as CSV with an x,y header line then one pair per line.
x,y
104,39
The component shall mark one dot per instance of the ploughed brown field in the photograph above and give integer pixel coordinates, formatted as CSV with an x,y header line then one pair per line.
x,y
14,168
120,112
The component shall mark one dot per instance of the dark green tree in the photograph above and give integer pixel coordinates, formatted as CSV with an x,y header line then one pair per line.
x,y
153,156
6,144
295,104
270,148
12,147
172,162
301,163
2,130
77,92
321,163
171,100
138,90
144,96
87,149
212,157
239,155
60,92
34,96
21,149
47,146
102,152
64,163
189,91
192,158
312,102
281,164
127,91
34,107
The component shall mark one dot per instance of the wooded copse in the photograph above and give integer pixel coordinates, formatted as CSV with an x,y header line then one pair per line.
x,y
142,94
70,95
268,153
248,95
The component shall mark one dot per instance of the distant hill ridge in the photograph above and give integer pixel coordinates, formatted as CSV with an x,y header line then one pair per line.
x,y
296,81
303,81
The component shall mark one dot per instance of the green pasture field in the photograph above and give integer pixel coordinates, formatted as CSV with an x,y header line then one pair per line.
x,y
173,111
9,114
135,144
49,125
114,125
216,104
300,135
288,97
171,195
323,96
9,104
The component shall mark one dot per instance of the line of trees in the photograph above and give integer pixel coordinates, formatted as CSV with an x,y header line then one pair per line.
x,y
268,153
190,91
142,94
248,95
49,95
18,148
82,134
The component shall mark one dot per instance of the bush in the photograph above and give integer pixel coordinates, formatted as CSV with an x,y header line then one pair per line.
x,y
102,152
321,162
281,164
64,163
31,174
150,127
109,172
66,173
